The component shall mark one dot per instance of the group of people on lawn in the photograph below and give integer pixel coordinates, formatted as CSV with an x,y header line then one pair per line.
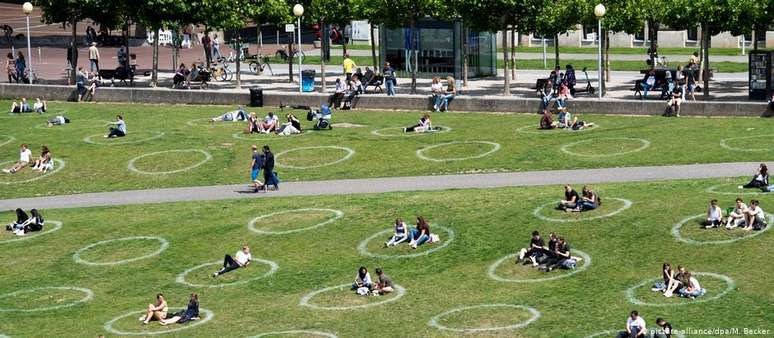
x,y
41,164
548,258
267,125
413,237
743,216
573,202
365,286
681,281
565,120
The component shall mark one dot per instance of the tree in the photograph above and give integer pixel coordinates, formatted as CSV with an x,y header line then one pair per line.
x,y
67,12
557,17
326,12
625,16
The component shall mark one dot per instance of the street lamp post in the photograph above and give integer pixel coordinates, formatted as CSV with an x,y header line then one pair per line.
x,y
298,11
27,9
599,11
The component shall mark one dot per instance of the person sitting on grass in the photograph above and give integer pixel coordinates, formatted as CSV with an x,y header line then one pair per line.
x,y
568,122
58,120
383,284
760,180
424,125
678,280
25,224
534,251
714,216
561,257
25,155
564,118
737,215
240,260
39,106
156,311
571,199
253,126
119,130
236,115
755,218
401,233
667,275
421,234
547,120
635,327
21,107
363,283
692,288
664,329
190,313
589,200
293,126
44,162
269,123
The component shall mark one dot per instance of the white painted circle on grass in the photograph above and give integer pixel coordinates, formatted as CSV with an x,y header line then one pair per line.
x,y
295,332
207,315
420,152
533,129
363,246
730,285
194,123
724,143
117,141
8,138
679,237
492,272
57,225
626,205
306,300
535,315
645,145
349,151
181,277
378,132
163,245
747,191
70,126
87,296
133,168
251,226
59,164
614,333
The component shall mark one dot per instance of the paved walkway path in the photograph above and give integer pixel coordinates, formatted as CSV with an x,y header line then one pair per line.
x,y
391,184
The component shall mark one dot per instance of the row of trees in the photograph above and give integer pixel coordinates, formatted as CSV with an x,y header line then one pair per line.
x,y
548,18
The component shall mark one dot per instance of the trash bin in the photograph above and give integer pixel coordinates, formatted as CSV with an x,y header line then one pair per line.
x,y
307,80
256,97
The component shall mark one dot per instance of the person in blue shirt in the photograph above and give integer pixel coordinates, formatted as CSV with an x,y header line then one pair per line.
x,y
256,164
120,128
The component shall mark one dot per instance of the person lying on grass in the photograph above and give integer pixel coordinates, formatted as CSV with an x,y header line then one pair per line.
x,y
568,122
760,179
424,125
25,155
58,120
363,283
117,129
235,115
240,260
755,218
736,216
383,284
190,313
589,200
401,234
25,224
156,311
421,234
714,216
44,162
571,199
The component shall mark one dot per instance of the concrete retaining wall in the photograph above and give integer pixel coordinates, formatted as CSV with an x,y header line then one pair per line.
x,y
402,102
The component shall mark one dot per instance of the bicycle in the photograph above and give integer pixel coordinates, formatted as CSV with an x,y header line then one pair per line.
x,y
282,53
259,63
220,70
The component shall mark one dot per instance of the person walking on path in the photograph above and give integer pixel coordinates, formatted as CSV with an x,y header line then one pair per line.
x,y
207,45
255,168
269,177
94,58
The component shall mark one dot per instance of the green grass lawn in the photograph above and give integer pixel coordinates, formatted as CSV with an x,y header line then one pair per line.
x,y
625,250
174,146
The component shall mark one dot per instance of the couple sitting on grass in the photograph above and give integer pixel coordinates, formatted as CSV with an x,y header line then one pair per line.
x,y
158,311
742,216
364,286
270,124
414,237
572,202
565,121
25,224
424,126
547,258
680,281
635,328
42,164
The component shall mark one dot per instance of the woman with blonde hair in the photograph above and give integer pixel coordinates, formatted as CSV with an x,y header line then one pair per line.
x,y
451,91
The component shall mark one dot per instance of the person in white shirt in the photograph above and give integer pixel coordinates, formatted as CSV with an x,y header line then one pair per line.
x,y
635,327
334,101
58,121
755,217
216,47
269,123
424,125
714,215
39,106
736,217
400,235
240,260
693,289
24,160
363,279
436,89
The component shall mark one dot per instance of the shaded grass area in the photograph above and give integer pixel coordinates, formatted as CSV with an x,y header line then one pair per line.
x,y
91,167
489,224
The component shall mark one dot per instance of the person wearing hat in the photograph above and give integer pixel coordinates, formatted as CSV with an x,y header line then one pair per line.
x,y
94,58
